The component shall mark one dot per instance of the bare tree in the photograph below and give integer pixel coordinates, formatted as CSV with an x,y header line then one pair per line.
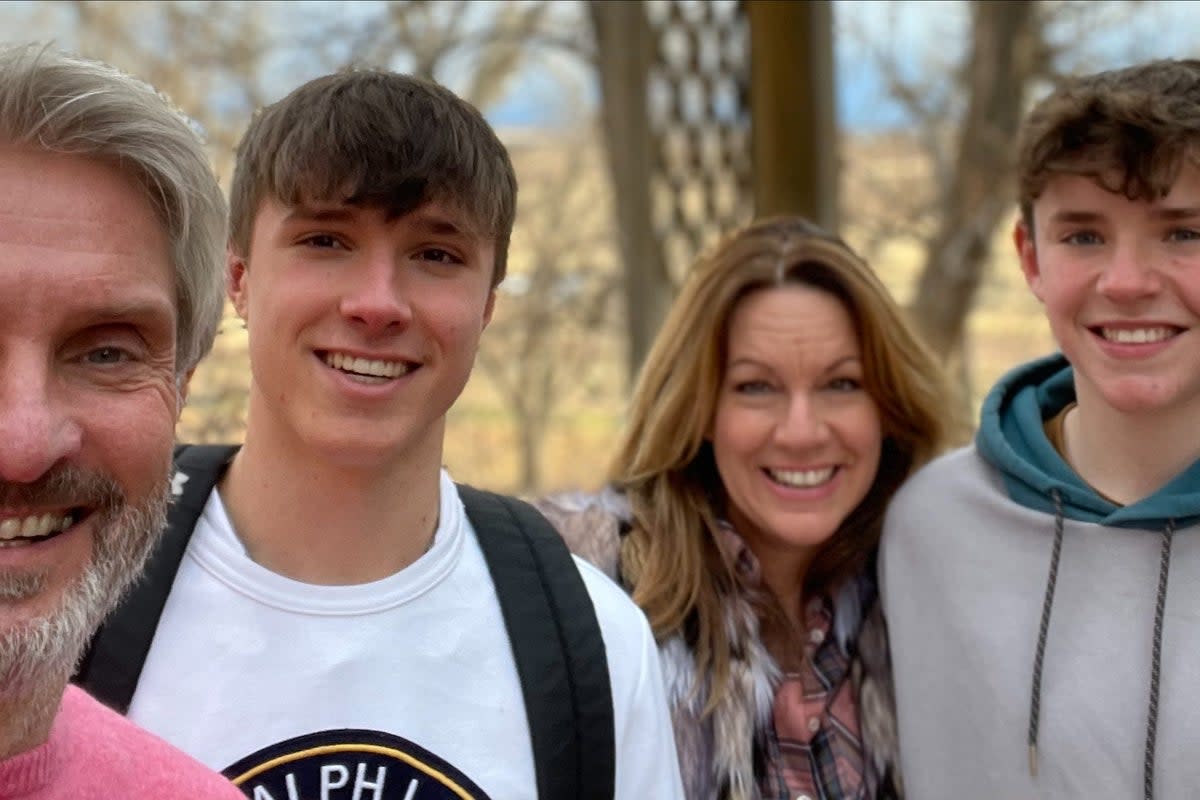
x,y
1006,55
950,200
477,50
206,56
554,318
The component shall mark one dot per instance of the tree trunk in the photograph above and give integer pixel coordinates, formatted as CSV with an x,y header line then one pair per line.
x,y
624,56
529,435
1002,62
531,401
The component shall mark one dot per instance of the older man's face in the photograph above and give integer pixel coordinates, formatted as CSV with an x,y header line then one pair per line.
x,y
88,399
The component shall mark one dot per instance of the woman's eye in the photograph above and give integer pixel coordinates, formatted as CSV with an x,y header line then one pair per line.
x,y
845,384
752,387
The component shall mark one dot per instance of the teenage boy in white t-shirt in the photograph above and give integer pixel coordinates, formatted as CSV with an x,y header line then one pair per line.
x,y
332,629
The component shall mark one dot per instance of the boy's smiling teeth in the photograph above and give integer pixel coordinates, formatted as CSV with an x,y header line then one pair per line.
x,y
15,530
1137,335
372,368
801,478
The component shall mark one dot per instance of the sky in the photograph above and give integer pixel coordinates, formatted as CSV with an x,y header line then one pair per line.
x,y
918,40
924,37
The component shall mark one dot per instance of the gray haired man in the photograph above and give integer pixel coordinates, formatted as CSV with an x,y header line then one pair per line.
x,y
111,249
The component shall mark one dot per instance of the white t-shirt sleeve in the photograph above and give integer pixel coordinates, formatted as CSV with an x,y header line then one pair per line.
x,y
647,763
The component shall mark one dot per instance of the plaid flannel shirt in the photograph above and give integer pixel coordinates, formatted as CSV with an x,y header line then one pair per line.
x,y
814,749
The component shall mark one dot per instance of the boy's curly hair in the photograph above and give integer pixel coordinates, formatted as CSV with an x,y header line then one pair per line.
x,y
1130,129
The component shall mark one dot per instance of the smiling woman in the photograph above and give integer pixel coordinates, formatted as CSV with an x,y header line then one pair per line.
x,y
796,438
782,404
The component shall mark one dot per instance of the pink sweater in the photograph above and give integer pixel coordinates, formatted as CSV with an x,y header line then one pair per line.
x,y
96,754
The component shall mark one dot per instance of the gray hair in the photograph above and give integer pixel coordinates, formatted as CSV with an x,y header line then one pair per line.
x,y
66,104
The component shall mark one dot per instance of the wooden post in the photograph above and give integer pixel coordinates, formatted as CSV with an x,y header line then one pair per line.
x,y
792,109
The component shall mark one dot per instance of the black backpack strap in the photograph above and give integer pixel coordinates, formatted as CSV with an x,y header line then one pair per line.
x,y
113,662
557,647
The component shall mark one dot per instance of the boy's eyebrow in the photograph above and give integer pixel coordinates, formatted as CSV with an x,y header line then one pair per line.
x,y
1072,217
327,214
1177,212
437,223
432,221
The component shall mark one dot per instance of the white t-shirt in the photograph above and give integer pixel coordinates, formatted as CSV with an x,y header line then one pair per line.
x,y
402,688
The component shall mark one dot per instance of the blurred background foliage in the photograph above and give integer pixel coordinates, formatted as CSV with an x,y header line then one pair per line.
x,y
641,131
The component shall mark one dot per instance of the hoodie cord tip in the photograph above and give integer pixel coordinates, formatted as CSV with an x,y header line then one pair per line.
x,y
1033,760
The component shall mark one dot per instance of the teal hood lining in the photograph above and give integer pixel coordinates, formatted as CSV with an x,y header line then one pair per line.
x,y
1011,437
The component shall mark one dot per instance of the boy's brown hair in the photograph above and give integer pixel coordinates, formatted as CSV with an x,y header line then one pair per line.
x,y
377,139
1130,129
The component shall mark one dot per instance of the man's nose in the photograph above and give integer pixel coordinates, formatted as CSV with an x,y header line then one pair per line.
x,y
37,428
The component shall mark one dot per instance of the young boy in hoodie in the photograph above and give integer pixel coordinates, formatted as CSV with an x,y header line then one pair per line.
x,y
1041,585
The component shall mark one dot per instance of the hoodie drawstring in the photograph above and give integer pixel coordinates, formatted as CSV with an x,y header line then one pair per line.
x,y
1160,605
1035,700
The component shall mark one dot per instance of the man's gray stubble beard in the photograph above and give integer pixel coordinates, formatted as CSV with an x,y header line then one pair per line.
x,y
40,655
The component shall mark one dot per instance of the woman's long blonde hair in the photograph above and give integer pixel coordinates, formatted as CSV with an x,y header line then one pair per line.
x,y
665,464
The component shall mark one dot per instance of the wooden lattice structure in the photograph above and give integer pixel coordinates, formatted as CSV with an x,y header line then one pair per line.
x,y
698,104
690,155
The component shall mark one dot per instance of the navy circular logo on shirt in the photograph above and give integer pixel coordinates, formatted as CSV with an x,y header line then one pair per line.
x,y
346,764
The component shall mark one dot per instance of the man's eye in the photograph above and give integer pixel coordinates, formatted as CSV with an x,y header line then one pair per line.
x,y
106,355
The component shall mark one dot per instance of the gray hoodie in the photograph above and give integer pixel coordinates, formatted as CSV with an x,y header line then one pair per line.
x,y
1037,627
